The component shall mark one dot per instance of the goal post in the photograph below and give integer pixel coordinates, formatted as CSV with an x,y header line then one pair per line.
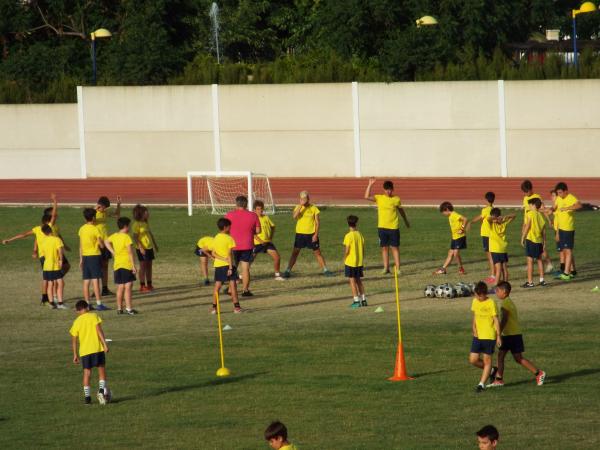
x,y
215,192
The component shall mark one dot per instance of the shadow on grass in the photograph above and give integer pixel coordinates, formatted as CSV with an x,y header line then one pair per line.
x,y
559,378
433,372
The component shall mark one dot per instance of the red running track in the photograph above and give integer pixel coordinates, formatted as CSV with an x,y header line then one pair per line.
x,y
338,191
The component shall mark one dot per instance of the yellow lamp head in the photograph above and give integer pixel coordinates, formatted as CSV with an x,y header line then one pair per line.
x,y
585,7
100,33
426,21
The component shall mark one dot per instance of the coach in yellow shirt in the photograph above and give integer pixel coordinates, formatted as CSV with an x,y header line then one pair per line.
x,y
389,210
564,208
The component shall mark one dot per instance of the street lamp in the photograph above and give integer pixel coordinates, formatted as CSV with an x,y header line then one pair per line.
x,y
584,8
426,21
100,33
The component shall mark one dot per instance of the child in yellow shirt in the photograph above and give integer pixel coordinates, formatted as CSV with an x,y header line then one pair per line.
x,y
458,242
354,249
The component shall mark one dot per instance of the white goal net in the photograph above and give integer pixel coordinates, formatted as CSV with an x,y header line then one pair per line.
x,y
215,192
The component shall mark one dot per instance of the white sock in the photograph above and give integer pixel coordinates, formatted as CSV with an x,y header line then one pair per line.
x,y
86,391
541,279
277,274
98,302
102,385
356,299
364,297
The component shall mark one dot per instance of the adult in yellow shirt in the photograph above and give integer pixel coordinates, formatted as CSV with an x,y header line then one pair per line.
x,y
533,238
564,208
90,259
203,250
120,245
499,243
486,333
354,250
263,241
458,239
225,270
389,210
102,215
490,197
52,252
307,220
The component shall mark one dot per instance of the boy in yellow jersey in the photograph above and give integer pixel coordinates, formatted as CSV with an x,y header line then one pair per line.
x,y
354,250
307,220
458,242
486,333
53,212
276,435
564,208
388,223
120,245
225,270
204,248
485,232
533,238
102,214
512,339
90,259
145,246
263,241
87,329
527,189
51,249
498,242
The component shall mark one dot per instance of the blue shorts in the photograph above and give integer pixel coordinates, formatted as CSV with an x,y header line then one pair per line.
x,y
91,267
52,275
93,360
264,248
389,237
499,258
242,255
483,346
221,274
149,256
124,276
353,272
566,239
513,343
458,244
485,240
200,252
533,250
305,241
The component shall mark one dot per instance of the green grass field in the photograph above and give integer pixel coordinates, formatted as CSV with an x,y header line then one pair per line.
x,y
299,354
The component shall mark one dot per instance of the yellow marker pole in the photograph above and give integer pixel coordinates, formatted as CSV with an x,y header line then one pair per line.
x,y
223,371
400,368
398,305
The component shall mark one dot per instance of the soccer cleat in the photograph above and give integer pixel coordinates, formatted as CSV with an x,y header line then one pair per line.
x,y
101,398
328,273
496,383
88,400
542,283
238,310
490,280
540,377
440,271
106,291
565,277
131,312
573,274
557,273
287,274
364,303
279,278
527,285
206,282
101,307
479,388
493,373
150,288
461,271
119,312
355,305
144,288
62,306
247,294
385,272
52,305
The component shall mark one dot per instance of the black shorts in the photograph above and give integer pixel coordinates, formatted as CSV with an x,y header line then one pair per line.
x,y
485,240
221,274
264,248
200,252
389,237
93,360
242,256
513,343
533,250
305,241
92,267
483,346
353,272
52,275
499,258
149,256
566,239
458,244
124,276
105,253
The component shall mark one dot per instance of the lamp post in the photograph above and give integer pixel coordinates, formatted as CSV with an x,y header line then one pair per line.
x,y
100,33
426,21
584,8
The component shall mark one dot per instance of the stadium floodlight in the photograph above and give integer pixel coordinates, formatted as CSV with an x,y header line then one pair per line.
x,y
586,7
100,33
426,21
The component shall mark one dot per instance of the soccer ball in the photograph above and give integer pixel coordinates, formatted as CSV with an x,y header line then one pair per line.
x,y
429,291
460,290
107,394
449,292
439,291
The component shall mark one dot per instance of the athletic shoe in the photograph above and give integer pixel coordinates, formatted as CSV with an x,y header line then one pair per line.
x,y
385,272
479,388
574,273
542,283
279,278
355,305
119,312
101,398
328,273
144,288
131,312
490,280
52,305
150,287
527,285
238,310
287,274
557,273
101,307
364,303
88,400
496,383
461,271
206,282
440,271
62,306
549,268
493,373
565,277
106,291
247,294
540,377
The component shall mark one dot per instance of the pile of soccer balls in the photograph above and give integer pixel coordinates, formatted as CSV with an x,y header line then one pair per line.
x,y
448,290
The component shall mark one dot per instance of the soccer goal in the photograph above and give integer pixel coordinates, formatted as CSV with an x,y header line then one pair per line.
x,y
215,192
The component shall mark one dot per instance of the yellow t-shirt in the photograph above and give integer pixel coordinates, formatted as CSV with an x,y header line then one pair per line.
x,y
39,238
288,447
484,318
84,327
120,243
512,326
50,250
485,225
526,199
498,242
205,242
566,219
222,246
266,230
101,217
306,220
455,223
387,211
538,224
356,242
89,237
142,230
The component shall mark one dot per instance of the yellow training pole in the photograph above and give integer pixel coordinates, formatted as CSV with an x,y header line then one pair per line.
x,y
400,367
223,371
398,305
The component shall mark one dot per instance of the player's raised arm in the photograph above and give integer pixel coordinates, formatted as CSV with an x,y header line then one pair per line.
x,y
54,212
18,236
368,195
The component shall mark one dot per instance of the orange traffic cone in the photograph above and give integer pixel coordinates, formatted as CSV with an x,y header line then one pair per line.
x,y
400,369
